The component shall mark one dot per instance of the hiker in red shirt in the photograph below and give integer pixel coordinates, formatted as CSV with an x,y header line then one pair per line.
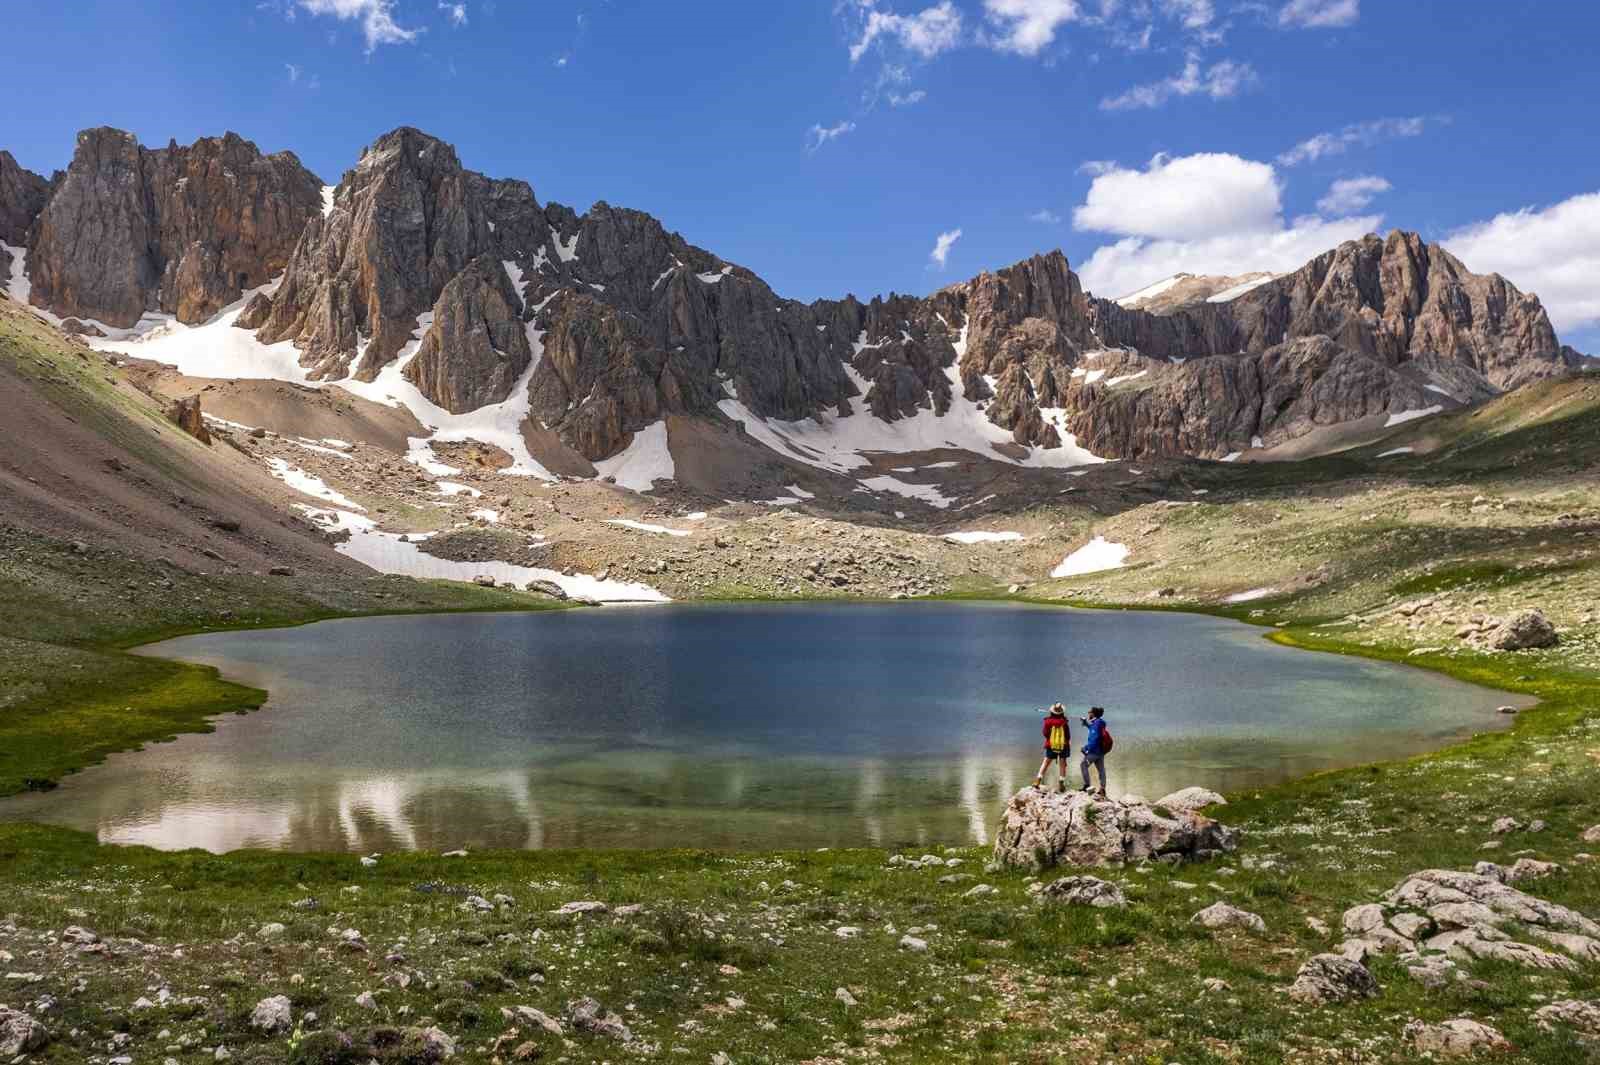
x,y
1057,746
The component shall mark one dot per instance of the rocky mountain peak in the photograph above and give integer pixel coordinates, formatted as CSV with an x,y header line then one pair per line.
x,y
22,196
178,230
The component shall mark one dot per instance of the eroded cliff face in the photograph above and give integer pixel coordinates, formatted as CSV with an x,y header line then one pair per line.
x,y
22,196
181,230
610,321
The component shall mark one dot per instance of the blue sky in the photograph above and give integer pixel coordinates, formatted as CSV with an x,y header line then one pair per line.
x,y
829,145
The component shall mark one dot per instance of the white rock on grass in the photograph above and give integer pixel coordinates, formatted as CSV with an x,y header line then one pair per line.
x,y
1085,891
1582,1018
844,996
1080,828
847,931
1326,978
20,1033
272,1015
366,1001
270,930
913,944
1458,1038
1221,915
537,1018
1191,800
978,891
587,1015
580,908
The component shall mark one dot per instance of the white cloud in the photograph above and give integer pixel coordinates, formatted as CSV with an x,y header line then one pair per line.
x,y
1211,213
1362,133
1553,252
1045,217
1134,262
915,96
1028,27
1192,14
457,13
293,71
1319,14
376,17
927,33
1348,195
1192,196
1218,81
942,245
818,135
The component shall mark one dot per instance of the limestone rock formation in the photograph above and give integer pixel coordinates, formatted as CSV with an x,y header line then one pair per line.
x,y
1437,920
1582,1018
626,323
1327,978
20,1033
185,414
22,196
182,230
1458,1038
1040,829
1085,891
478,346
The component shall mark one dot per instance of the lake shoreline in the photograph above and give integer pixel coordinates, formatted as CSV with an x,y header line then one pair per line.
x,y
250,698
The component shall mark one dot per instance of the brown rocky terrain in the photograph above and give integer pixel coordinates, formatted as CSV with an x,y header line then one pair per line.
x,y
180,230
471,281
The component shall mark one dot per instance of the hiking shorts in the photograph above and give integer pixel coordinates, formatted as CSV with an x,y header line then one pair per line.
x,y
1052,755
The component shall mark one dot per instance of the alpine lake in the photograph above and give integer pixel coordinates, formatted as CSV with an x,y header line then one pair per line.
x,y
730,726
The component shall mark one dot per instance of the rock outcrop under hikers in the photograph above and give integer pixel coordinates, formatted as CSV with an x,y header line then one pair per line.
x,y
1043,828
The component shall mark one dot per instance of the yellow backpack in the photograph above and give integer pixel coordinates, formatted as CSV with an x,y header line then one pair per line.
x,y
1058,737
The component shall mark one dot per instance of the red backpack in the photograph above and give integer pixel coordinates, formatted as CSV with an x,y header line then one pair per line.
x,y
1105,740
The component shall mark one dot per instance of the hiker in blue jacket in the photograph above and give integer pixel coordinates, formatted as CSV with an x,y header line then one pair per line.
x,y
1096,745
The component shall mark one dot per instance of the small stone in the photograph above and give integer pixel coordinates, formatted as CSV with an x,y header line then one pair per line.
x,y
844,996
366,1001
580,908
913,944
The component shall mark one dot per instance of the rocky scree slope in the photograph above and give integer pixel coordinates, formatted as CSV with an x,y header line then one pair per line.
x,y
468,282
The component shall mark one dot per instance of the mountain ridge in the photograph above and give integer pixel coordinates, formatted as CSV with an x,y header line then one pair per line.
x,y
610,322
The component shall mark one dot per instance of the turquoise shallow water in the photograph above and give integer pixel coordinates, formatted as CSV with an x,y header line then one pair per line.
x,y
729,726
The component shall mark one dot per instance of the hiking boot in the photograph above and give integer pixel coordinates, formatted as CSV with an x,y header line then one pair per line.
x,y
1038,782
1061,787
1101,792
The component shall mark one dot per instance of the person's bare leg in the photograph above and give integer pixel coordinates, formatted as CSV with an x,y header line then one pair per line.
x,y
1044,766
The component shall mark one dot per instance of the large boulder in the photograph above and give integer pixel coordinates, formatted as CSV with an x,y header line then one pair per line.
x,y
1040,829
1528,630
20,1033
